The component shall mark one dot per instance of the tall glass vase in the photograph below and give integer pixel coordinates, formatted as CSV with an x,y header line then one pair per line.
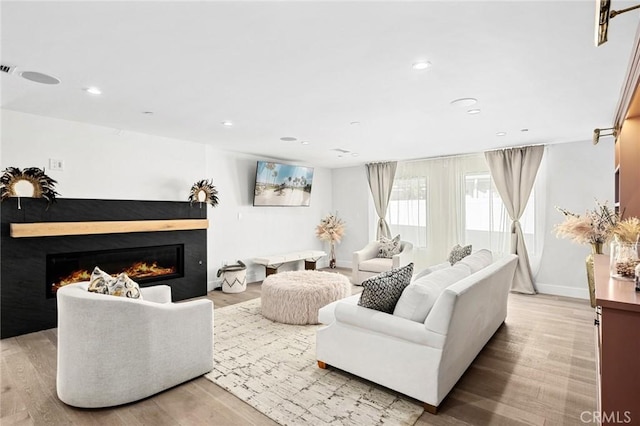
x,y
596,248
332,256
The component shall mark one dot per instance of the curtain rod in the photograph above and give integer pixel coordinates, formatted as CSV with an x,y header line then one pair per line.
x,y
469,154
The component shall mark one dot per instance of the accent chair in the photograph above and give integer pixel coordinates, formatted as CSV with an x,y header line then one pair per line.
x,y
113,350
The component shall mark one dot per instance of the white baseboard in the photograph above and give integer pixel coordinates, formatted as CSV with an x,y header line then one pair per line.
x,y
559,290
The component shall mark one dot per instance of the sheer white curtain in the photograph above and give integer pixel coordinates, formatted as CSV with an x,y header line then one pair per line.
x,y
437,203
443,201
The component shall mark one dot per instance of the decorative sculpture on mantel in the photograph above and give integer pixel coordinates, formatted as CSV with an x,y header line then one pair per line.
x,y
31,182
204,191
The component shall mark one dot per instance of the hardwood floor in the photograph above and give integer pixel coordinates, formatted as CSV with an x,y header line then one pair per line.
x,y
538,369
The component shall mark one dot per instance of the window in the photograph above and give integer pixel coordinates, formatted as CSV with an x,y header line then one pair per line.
x,y
487,222
407,210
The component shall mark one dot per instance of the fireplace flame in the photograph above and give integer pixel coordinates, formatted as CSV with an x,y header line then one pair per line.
x,y
144,270
136,270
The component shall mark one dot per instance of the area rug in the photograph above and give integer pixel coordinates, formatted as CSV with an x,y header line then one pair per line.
x,y
273,368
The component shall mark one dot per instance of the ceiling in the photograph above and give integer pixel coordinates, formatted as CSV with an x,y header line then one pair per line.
x,y
309,69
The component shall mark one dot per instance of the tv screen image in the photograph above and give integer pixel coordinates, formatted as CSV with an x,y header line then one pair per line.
x,y
282,184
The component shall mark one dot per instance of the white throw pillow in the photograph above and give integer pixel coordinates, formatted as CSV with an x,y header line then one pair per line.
x,y
418,298
431,269
478,260
458,253
389,247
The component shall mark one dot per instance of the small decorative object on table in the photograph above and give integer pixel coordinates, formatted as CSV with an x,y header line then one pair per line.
x,y
594,228
331,228
31,182
204,191
625,249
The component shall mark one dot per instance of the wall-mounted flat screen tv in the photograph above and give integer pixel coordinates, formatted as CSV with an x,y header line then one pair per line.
x,y
282,185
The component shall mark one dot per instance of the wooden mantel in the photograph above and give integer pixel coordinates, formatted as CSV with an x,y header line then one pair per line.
x,y
57,229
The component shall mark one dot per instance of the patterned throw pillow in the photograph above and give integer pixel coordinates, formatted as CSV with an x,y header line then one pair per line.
x,y
383,291
126,287
458,253
389,248
122,285
99,282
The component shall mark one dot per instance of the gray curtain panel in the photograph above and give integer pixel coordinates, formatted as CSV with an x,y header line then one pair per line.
x,y
514,172
380,176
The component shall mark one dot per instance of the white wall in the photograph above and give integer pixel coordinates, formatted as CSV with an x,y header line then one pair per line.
x,y
106,163
351,198
101,162
240,231
577,174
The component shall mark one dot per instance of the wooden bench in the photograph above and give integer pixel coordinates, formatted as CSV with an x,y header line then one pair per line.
x,y
272,263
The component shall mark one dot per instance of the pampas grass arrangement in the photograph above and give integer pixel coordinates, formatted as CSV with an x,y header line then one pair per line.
x,y
594,227
628,230
331,228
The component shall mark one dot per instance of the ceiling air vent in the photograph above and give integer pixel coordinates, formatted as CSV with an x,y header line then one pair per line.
x,y
6,68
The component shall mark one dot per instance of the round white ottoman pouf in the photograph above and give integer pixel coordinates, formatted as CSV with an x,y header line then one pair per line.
x,y
295,297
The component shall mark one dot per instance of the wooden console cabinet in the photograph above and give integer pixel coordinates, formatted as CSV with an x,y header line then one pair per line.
x,y
618,347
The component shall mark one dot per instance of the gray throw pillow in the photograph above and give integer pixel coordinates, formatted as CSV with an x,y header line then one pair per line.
x,y
458,253
383,291
389,247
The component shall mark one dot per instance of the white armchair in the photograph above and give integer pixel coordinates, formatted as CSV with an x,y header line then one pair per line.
x,y
366,263
114,350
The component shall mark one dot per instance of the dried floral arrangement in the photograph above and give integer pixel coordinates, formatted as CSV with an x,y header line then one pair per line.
x,y
628,230
42,185
204,191
331,228
594,227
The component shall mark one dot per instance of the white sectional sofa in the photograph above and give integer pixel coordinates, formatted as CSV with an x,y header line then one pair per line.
x,y
421,359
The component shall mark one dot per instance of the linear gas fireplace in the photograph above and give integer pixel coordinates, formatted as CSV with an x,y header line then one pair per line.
x,y
46,246
142,264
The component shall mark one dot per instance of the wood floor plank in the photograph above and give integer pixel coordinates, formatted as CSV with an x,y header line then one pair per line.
x,y
11,402
539,368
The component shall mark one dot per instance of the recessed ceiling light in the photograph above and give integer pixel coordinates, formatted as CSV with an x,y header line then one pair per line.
x,y
39,77
421,65
304,142
474,111
524,130
288,139
227,123
501,134
354,154
93,90
340,155
464,102
147,112
355,123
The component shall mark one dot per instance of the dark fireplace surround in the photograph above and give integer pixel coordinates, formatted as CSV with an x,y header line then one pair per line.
x,y
31,266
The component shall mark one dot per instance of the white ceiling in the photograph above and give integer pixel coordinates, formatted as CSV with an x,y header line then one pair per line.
x,y
309,69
